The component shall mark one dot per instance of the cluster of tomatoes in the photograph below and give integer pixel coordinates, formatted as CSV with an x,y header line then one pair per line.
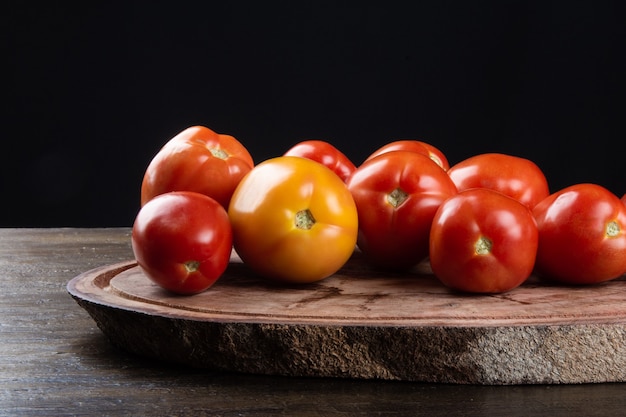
x,y
485,224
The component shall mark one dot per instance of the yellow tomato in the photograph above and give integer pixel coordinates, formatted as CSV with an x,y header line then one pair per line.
x,y
294,220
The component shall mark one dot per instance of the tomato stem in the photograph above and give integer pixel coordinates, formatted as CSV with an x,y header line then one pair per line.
x,y
612,229
304,219
397,197
192,266
219,153
483,246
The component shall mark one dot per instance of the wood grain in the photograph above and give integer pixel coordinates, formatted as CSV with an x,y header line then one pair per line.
x,y
55,361
363,323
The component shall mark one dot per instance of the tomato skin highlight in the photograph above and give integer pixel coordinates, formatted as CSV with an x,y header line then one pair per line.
x,y
197,159
483,241
519,178
418,146
326,154
293,220
573,244
182,241
397,194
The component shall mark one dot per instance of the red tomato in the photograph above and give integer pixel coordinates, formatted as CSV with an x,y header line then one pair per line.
x,y
397,194
582,235
200,160
293,220
516,177
326,154
482,241
182,241
423,148
624,199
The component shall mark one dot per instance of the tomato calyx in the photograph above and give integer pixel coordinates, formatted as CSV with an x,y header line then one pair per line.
x,y
397,197
219,153
191,266
304,219
483,246
612,229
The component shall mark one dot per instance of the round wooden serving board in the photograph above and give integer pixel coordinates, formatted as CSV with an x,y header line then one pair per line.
x,y
362,323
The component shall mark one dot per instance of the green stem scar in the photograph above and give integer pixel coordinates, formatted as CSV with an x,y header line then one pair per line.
x,y
304,219
483,246
218,153
192,266
612,229
397,197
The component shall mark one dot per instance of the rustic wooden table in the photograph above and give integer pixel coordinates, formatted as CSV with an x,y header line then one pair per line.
x,y
55,361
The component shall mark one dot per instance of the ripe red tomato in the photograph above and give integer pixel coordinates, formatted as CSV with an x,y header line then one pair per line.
x,y
482,241
293,220
200,160
423,148
516,177
397,194
326,154
182,241
624,199
582,235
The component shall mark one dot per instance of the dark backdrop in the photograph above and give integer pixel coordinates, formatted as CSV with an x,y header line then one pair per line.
x,y
93,89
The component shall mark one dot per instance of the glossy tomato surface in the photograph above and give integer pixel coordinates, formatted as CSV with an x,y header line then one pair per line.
x,y
482,241
418,146
397,194
293,220
182,241
326,154
197,159
582,235
519,178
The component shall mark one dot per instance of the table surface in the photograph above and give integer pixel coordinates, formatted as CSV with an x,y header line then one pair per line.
x,y
55,361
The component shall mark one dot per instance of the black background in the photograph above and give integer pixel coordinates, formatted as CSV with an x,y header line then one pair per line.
x,y
92,90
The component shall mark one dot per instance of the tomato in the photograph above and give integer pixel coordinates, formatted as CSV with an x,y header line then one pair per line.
x,y
624,199
182,241
423,148
326,154
483,241
582,235
293,220
200,160
397,194
516,177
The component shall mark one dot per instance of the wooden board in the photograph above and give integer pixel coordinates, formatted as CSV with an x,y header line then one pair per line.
x,y
361,323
